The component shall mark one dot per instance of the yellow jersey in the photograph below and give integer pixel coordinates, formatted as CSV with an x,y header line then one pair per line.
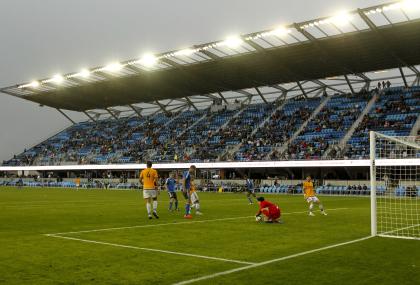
x,y
149,176
308,189
192,189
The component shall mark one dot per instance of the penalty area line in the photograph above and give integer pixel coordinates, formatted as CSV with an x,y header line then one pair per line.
x,y
177,223
227,272
153,250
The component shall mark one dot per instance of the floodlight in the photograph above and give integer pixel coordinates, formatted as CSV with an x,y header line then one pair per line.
x,y
410,4
34,84
148,60
233,42
281,31
341,19
84,73
113,67
187,52
57,79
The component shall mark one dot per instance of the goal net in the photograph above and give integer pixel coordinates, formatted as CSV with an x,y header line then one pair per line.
x,y
395,186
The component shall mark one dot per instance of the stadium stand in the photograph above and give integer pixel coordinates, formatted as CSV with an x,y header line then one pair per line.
x,y
253,131
395,114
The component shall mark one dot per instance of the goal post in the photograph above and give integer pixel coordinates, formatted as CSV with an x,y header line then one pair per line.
x,y
395,186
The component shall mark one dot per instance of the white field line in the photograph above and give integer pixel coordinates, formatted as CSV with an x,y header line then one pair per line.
x,y
179,223
153,250
211,276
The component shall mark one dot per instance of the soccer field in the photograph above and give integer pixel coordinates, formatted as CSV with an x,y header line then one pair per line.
x,y
57,236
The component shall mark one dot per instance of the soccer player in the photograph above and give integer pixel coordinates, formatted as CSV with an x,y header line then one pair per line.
x,y
250,189
270,211
171,188
190,193
149,178
309,194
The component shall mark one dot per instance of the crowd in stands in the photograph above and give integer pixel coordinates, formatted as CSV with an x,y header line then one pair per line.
x,y
277,130
394,114
244,133
328,127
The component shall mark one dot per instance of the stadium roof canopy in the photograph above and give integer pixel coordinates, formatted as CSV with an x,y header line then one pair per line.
x,y
339,54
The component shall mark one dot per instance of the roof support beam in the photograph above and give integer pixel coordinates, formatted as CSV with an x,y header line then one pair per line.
x,y
301,89
111,113
327,86
261,95
403,76
349,83
209,54
363,76
278,87
162,107
283,96
135,110
191,103
66,116
223,97
416,81
89,116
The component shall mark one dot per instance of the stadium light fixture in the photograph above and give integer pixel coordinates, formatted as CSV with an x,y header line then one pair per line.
x,y
281,31
34,84
57,79
341,19
186,52
233,42
113,67
148,60
407,5
84,73
410,5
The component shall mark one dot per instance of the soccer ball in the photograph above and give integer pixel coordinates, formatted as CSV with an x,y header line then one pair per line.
x,y
258,218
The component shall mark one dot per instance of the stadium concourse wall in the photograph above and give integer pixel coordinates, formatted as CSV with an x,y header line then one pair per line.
x,y
220,165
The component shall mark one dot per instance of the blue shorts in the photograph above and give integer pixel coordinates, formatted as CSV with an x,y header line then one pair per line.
x,y
172,195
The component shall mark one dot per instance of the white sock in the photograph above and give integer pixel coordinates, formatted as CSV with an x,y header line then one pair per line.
x,y
311,207
197,207
149,208
154,206
321,207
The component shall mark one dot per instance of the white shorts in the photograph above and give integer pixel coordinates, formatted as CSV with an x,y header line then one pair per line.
x,y
149,194
312,199
194,197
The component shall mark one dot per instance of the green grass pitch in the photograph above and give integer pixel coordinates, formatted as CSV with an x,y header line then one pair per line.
x,y
173,250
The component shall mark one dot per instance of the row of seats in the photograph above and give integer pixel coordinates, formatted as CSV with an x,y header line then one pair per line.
x,y
253,132
281,189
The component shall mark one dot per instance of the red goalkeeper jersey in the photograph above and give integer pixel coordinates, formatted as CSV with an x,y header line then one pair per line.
x,y
271,207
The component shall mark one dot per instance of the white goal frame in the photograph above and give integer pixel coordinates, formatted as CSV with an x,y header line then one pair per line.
x,y
375,162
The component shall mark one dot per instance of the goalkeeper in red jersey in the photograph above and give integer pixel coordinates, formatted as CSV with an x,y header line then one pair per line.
x,y
270,211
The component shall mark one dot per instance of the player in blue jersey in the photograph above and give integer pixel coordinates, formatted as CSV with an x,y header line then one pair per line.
x,y
171,188
249,184
190,193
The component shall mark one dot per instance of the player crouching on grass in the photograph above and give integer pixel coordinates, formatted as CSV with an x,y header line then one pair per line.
x,y
309,194
270,211
149,178
189,192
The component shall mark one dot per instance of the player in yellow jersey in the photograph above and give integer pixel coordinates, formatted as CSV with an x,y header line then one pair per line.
x,y
310,197
190,193
149,179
